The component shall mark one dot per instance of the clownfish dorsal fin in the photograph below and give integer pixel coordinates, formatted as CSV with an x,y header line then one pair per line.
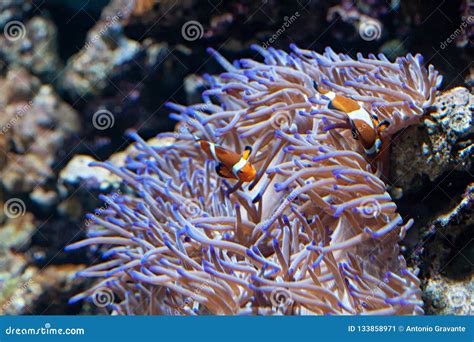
x,y
247,152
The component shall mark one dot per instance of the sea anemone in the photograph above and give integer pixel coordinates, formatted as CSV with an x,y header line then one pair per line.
x,y
315,233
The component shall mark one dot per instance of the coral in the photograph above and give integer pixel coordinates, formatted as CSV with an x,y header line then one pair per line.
x,y
34,125
314,233
33,46
445,297
443,143
11,10
31,291
104,56
466,38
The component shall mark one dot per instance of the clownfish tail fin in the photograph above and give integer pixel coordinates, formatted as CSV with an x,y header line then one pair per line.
x,y
247,152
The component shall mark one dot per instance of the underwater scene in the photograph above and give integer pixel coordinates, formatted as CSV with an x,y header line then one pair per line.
x,y
236,157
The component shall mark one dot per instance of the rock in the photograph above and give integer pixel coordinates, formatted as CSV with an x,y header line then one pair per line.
x,y
16,233
13,10
78,172
103,58
35,125
447,297
444,142
33,46
447,259
40,292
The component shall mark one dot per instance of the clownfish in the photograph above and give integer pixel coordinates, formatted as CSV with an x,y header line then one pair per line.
x,y
229,163
364,126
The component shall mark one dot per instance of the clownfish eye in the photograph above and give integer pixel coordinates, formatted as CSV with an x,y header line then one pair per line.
x,y
354,134
240,172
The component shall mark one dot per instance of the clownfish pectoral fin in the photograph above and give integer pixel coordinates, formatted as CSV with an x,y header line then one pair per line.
x,y
223,172
247,152
383,126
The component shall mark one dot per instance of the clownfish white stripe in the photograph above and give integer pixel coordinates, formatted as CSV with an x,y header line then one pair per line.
x,y
239,165
212,147
375,148
362,115
330,95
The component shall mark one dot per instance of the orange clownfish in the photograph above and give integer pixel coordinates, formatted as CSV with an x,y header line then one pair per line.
x,y
364,126
229,163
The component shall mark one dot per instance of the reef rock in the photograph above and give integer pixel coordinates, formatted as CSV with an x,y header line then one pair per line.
x,y
103,58
34,125
33,46
447,297
13,10
444,142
